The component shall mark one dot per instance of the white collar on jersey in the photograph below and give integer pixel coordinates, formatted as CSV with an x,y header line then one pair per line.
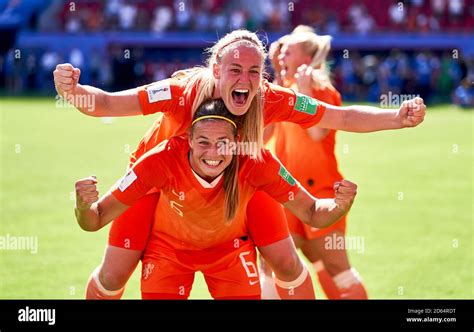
x,y
206,184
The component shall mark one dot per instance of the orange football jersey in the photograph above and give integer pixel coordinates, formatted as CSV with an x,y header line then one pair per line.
x,y
170,98
313,163
191,216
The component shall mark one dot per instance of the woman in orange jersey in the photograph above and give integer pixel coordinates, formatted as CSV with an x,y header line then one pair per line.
x,y
201,213
234,73
302,59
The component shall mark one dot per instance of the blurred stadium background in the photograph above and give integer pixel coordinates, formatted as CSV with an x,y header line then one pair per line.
x,y
414,211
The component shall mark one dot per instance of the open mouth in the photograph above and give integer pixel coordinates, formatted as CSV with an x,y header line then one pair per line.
x,y
212,163
240,96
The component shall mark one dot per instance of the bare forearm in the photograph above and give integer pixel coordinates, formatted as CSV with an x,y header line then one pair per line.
x,y
96,102
363,119
89,219
324,213
88,100
360,119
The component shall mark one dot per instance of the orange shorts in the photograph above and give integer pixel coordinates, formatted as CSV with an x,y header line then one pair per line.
x,y
230,269
266,222
132,229
298,227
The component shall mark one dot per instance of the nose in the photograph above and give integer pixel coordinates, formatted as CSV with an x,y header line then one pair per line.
x,y
212,151
244,77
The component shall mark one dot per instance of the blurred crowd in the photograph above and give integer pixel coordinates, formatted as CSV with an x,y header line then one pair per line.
x,y
364,16
437,76
120,69
330,17
432,75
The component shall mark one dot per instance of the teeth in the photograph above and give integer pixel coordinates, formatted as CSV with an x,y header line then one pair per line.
x,y
241,91
212,162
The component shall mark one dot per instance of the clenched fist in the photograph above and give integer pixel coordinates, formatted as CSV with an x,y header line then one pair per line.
x,y
345,192
304,76
66,77
412,112
86,193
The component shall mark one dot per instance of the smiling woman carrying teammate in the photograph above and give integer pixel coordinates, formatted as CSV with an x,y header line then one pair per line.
x,y
235,74
200,218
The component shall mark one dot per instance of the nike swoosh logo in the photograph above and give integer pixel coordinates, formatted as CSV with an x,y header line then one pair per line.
x,y
253,282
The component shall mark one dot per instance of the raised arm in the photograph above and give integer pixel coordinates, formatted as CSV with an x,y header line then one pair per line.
x,y
322,213
363,119
91,213
93,101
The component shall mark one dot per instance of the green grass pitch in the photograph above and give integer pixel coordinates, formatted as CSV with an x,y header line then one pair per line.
x,y
413,211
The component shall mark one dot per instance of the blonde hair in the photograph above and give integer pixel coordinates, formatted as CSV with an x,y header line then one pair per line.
x,y
318,48
302,28
231,187
203,78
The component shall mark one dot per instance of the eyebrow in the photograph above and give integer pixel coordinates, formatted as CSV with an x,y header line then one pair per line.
x,y
223,137
237,65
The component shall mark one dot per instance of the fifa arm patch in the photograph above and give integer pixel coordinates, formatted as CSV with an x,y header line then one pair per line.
x,y
127,180
159,91
305,104
286,176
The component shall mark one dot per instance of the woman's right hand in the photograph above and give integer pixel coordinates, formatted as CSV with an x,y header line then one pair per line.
x,y
66,78
304,77
86,193
345,192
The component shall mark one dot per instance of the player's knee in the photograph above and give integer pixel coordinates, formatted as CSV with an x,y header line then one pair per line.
x,y
287,267
113,280
264,267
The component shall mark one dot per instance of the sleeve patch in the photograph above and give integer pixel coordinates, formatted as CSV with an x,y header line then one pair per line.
x,y
286,176
159,91
305,104
127,180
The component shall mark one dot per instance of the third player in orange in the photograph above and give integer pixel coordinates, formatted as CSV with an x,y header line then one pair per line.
x,y
309,154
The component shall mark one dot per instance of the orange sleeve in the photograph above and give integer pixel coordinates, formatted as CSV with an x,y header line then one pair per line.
x,y
150,171
272,177
328,95
163,96
285,105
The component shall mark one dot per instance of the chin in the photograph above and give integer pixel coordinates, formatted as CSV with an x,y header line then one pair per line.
x,y
239,110
213,173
